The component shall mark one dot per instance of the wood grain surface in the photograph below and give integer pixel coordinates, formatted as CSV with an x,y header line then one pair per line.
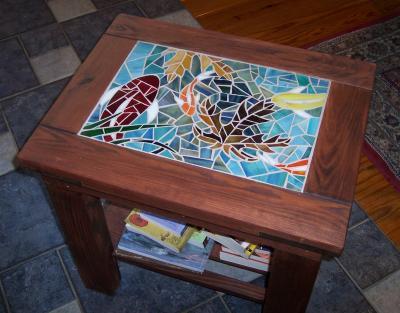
x,y
119,208
76,102
379,199
207,279
244,205
290,283
84,225
316,219
296,23
336,68
335,162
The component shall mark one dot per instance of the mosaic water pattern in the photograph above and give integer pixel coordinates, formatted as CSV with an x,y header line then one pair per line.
x,y
242,119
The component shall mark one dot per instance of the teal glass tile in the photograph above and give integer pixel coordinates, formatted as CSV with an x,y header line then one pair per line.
x,y
313,124
277,179
229,116
123,75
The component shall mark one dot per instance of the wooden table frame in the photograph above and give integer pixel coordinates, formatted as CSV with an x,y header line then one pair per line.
x,y
299,227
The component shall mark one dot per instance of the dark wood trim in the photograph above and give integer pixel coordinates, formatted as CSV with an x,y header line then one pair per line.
x,y
79,97
336,68
83,222
290,283
117,211
207,279
334,166
246,206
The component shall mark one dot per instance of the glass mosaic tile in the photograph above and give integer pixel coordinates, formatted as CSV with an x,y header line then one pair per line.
x,y
242,119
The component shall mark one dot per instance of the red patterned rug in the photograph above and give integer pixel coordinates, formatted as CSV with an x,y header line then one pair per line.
x,y
379,44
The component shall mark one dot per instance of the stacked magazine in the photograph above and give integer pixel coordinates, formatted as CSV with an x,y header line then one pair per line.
x,y
241,252
184,246
165,240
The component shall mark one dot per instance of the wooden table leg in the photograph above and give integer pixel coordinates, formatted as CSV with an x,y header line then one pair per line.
x,y
290,282
82,219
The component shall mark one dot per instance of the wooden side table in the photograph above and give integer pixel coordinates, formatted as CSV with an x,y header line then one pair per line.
x,y
245,138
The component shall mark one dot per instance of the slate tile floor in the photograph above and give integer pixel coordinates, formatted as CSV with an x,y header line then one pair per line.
x,y
41,44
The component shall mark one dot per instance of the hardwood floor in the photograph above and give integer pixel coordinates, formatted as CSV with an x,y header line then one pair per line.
x,y
302,23
379,199
293,22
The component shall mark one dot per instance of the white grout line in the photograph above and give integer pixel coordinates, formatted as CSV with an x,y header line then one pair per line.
x,y
356,285
225,304
28,58
200,304
70,283
388,276
140,9
31,258
22,92
358,224
3,294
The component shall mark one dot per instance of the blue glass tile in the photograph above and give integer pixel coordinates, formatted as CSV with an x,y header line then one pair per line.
x,y
149,134
309,139
141,50
292,158
135,145
307,153
169,135
175,143
313,126
135,133
276,130
167,154
276,179
123,76
136,67
321,89
295,131
253,168
179,92
323,83
154,69
198,161
286,122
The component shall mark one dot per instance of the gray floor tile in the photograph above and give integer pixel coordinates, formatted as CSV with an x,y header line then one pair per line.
x,y
38,285
86,30
105,3
238,305
8,148
55,64
2,305
23,112
334,292
357,215
141,291
182,17
213,306
385,295
368,255
65,10
15,71
71,307
44,39
27,225
23,15
154,8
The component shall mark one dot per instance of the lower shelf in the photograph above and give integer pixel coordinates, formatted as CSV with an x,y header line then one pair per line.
x,y
115,216
207,279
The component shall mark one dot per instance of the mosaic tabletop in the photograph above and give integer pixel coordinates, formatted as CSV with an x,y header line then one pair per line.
x,y
247,120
